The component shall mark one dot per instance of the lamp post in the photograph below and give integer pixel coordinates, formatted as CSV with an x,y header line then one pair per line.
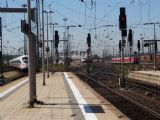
x,y
154,25
43,54
65,20
47,49
25,51
30,62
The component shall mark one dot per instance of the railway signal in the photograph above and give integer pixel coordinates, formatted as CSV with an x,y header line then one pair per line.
x,y
89,40
124,32
156,46
130,37
88,51
120,45
123,29
130,40
138,45
56,46
122,19
56,39
123,22
24,27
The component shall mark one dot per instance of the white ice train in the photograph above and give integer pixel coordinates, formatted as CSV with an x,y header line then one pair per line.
x,y
83,59
20,62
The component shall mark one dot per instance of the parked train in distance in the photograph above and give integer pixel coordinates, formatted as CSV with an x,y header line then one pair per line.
x,y
20,62
133,60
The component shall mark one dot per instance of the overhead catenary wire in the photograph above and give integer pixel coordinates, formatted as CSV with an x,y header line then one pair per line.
x,y
73,10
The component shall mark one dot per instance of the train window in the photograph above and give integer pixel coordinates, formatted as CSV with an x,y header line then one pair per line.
x,y
17,61
25,59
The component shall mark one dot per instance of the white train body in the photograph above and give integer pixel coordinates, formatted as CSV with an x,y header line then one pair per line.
x,y
83,59
20,62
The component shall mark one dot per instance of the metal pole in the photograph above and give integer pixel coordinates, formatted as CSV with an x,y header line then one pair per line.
x,y
24,40
142,46
130,49
43,54
123,80
64,49
47,50
25,53
67,60
33,59
154,49
53,50
88,59
1,50
113,51
30,71
52,56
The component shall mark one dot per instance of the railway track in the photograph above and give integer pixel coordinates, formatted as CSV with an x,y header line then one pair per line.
x,y
155,89
128,106
8,68
11,75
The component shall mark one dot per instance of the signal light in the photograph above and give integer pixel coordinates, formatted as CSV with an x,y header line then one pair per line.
x,y
156,46
24,27
120,45
124,33
130,37
138,45
56,39
122,19
89,40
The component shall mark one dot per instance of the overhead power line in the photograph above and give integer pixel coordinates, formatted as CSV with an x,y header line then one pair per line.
x,y
73,10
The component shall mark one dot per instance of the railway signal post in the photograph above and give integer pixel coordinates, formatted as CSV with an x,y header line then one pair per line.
x,y
123,28
56,47
88,51
130,41
43,53
139,48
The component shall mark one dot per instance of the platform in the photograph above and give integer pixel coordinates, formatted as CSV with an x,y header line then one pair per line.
x,y
146,76
65,98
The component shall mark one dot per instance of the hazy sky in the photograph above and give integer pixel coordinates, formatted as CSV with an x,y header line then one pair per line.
x,y
98,13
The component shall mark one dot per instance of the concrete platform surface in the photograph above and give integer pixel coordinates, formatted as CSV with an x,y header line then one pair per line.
x,y
65,97
146,76
155,73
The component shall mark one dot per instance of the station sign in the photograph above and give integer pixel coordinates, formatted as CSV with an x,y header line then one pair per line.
x,y
33,28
